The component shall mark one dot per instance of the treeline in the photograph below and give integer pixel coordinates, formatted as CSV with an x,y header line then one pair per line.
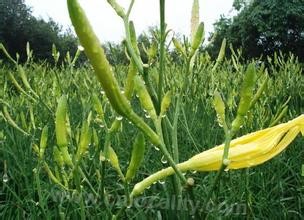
x,y
260,29
18,26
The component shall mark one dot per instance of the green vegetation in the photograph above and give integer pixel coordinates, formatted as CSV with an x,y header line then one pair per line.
x,y
83,143
263,27
18,26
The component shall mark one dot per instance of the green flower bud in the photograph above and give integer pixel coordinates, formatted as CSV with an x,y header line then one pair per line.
x,y
136,157
144,97
43,141
85,138
114,161
246,97
179,47
198,39
165,103
62,129
97,106
219,106
60,124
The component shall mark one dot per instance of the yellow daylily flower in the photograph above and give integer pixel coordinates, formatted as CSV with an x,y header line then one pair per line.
x,y
246,151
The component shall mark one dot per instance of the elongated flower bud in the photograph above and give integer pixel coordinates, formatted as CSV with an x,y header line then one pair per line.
x,y
136,157
179,46
85,138
96,55
112,156
102,68
129,86
246,97
194,18
43,141
165,103
199,37
144,97
62,129
219,106
97,106
58,157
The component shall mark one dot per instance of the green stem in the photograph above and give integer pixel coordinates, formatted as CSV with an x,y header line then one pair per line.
x,y
167,155
162,52
175,145
223,166
41,202
79,190
137,60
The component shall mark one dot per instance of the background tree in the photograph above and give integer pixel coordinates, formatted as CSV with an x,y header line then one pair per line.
x,y
263,27
18,26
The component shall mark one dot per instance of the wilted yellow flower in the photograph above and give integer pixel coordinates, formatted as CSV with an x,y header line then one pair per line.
x,y
246,151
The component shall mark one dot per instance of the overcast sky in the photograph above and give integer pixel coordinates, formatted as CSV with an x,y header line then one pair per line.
x,y
108,26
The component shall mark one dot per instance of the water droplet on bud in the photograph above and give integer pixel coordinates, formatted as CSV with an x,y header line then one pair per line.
x,y
156,148
119,118
164,160
161,182
5,178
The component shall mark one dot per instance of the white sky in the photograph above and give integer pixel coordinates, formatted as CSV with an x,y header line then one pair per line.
x,y
108,26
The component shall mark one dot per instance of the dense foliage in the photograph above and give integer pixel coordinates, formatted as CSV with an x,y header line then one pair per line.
x,y
263,27
273,190
18,26
105,141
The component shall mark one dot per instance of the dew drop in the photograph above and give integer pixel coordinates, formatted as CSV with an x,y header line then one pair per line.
x,y
102,92
147,116
161,182
5,178
122,92
164,160
156,148
119,118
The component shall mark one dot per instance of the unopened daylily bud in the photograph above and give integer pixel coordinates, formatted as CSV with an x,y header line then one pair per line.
x,y
58,157
219,106
136,157
246,97
97,106
61,128
129,86
144,97
85,138
165,103
198,39
43,141
112,156
179,46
